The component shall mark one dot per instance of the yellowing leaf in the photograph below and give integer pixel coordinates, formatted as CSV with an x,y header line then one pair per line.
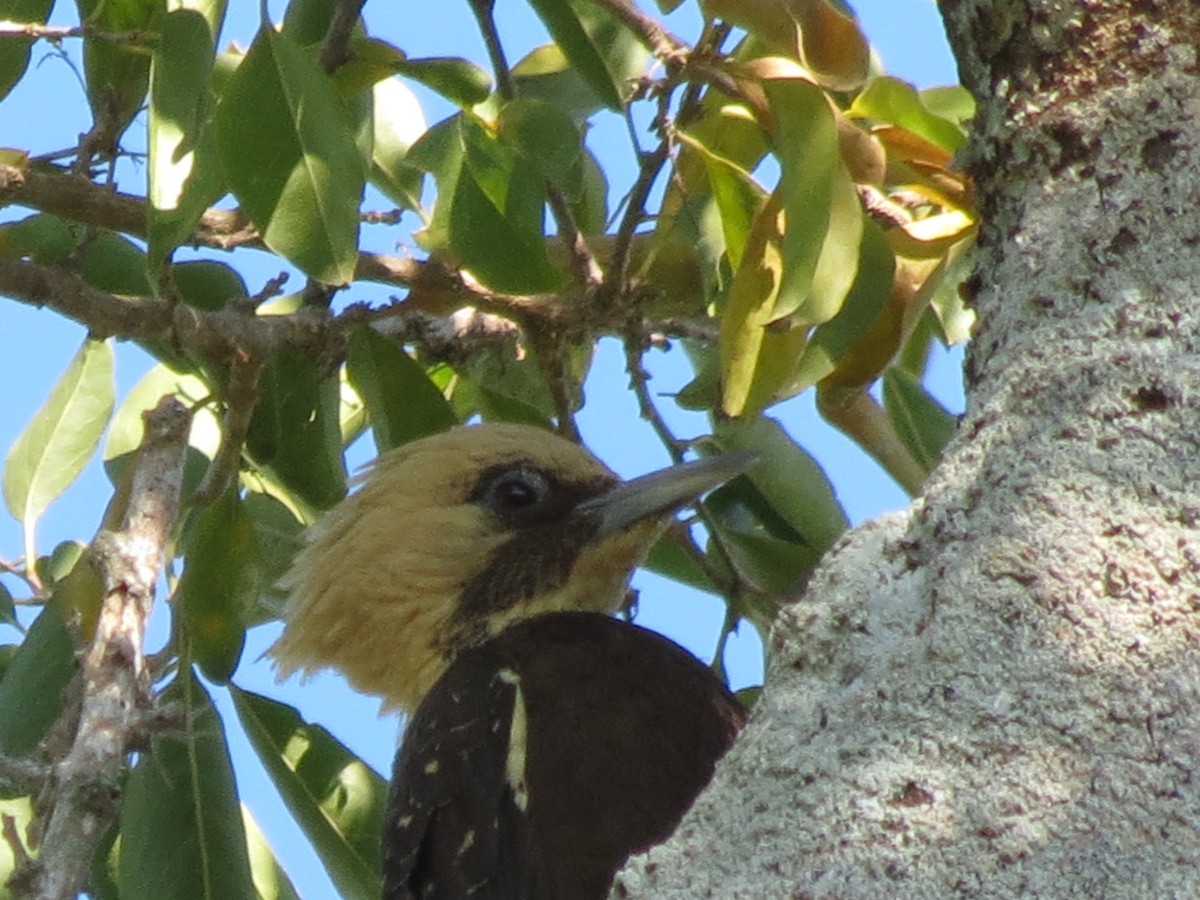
x,y
933,235
826,41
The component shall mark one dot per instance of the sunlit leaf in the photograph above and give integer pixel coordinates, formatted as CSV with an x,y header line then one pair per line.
x,y
52,450
291,157
270,881
182,836
398,122
738,198
824,218
19,813
891,100
336,799
184,175
816,33
126,432
749,310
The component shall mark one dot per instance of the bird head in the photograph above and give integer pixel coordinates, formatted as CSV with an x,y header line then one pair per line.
x,y
453,537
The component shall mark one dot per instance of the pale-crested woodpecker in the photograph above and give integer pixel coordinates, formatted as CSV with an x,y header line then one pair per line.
x,y
471,581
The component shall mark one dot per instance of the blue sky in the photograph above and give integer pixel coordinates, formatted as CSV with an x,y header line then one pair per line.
x,y
37,345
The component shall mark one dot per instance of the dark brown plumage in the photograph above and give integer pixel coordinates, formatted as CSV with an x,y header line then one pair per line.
x,y
624,729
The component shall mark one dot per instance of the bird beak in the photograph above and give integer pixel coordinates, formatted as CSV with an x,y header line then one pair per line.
x,y
663,491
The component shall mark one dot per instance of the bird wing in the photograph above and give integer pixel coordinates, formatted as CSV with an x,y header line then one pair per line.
x,y
454,810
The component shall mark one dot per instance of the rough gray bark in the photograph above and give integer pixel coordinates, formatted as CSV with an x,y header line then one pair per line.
x,y
996,693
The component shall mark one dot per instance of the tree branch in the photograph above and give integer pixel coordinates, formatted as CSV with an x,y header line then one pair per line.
x,y
116,690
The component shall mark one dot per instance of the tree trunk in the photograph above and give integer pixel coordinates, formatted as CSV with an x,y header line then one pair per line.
x,y
996,693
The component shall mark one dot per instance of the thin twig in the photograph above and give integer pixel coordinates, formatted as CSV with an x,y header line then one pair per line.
x,y
336,50
653,36
241,396
584,266
483,10
55,33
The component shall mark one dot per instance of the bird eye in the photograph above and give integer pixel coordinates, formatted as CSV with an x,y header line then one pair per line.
x,y
517,490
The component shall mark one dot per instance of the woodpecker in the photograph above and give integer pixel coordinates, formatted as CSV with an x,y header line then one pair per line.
x,y
471,582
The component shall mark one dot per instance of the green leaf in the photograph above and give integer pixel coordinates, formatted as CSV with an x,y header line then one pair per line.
x,y
295,431
8,610
953,103
440,152
923,425
55,446
14,51
546,74
399,123
497,215
757,353
208,284
184,174
775,566
270,881
738,197
458,80
891,100
279,538
117,74
182,836
56,566
306,22
291,158
115,264
668,558
336,799
401,400
562,20
43,238
545,137
831,342
221,578
790,482
590,207
33,687
127,429
818,201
